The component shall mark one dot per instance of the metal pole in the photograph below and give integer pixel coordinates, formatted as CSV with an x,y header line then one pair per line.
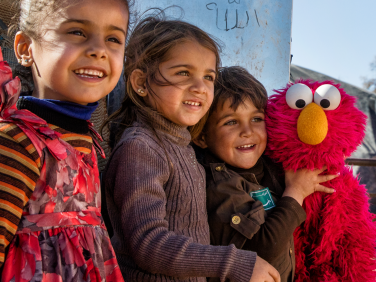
x,y
361,162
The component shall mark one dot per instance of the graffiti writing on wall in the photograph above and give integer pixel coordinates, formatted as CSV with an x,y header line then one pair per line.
x,y
233,18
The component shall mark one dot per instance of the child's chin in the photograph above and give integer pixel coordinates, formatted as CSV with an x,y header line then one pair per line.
x,y
244,165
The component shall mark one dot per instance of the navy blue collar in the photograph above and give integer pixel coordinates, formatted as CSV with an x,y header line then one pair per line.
x,y
66,108
69,116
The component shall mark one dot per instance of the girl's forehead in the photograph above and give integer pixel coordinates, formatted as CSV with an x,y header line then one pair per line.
x,y
89,12
61,10
191,50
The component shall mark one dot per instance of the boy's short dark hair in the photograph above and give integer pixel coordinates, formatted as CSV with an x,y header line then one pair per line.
x,y
237,84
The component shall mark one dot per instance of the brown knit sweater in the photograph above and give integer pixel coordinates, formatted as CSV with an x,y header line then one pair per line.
x,y
157,206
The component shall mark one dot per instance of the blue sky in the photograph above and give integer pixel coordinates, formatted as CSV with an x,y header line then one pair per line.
x,y
335,37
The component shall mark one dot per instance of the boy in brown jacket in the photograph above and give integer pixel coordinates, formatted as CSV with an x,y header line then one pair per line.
x,y
251,202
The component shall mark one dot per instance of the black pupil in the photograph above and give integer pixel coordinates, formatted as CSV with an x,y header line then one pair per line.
x,y
300,103
325,103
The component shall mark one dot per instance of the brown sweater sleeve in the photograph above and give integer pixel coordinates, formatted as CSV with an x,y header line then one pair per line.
x,y
19,173
138,173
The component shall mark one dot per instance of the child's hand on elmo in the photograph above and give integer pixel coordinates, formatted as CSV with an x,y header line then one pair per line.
x,y
304,182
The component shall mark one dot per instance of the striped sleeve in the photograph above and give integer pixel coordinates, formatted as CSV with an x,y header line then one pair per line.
x,y
19,172
81,142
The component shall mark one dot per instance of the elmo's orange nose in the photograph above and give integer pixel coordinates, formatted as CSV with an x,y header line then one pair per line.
x,y
312,125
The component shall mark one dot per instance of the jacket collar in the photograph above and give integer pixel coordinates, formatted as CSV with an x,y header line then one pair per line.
x,y
220,170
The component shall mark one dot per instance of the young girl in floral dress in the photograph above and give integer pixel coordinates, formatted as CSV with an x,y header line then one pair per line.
x,y
51,228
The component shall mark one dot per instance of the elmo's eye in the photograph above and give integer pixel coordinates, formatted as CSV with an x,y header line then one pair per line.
x,y
298,96
327,96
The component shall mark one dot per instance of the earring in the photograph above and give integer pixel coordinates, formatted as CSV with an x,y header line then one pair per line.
x,y
19,61
141,91
26,61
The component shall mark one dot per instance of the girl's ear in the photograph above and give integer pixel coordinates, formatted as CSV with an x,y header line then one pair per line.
x,y
23,50
200,141
138,81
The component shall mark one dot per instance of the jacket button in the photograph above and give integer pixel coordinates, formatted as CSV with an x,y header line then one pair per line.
x,y
236,219
290,251
219,168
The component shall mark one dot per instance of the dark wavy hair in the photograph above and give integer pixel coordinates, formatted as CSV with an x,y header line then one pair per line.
x,y
236,84
148,46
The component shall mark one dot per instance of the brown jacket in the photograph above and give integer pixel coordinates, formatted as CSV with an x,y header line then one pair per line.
x,y
236,218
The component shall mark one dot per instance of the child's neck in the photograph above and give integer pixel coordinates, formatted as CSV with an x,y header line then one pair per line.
x,y
179,134
52,116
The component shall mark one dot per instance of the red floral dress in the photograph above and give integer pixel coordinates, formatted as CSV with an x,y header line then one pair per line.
x,y
61,236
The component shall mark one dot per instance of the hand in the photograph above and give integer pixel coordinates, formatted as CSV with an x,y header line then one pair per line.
x,y
304,182
264,272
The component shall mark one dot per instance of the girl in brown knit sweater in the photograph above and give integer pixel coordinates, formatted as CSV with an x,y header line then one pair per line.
x,y
155,189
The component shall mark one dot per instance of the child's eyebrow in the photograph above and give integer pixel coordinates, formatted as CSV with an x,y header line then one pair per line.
x,y
224,117
87,22
232,114
190,67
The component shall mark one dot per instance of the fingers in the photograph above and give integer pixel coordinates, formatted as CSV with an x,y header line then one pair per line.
x,y
325,178
323,168
321,188
275,275
264,272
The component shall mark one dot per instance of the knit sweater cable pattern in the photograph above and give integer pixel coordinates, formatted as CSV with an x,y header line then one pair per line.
x,y
157,206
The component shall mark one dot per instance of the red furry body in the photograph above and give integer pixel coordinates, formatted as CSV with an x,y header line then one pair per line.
x,y
338,239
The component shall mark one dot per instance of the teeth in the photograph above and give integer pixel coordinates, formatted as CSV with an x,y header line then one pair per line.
x,y
246,146
192,103
89,72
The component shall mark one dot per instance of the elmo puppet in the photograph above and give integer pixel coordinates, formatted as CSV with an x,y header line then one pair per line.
x,y
309,125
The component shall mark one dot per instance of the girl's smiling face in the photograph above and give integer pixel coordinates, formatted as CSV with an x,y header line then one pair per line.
x,y
191,70
81,52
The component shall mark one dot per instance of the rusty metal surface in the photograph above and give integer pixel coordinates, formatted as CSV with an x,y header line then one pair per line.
x,y
256,33
361,162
